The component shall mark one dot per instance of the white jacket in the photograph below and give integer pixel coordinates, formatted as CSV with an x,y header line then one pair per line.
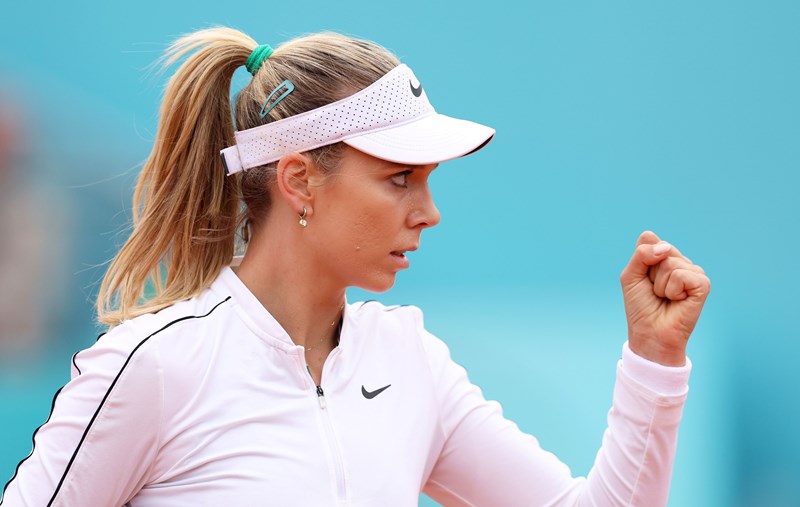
x,y
209,402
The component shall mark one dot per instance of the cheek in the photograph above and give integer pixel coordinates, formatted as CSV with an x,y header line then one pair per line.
x,y
363,219
360,222
367,232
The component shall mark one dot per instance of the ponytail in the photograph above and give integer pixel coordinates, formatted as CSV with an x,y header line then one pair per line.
x,y
186,210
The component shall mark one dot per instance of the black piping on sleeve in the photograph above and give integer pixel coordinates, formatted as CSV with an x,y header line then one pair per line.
x,y
33,445
100,406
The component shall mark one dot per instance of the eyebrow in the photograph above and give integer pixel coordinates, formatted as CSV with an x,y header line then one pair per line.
x,y
392,166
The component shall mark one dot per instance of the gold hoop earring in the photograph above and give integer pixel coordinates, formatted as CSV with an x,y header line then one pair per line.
x,y
303,221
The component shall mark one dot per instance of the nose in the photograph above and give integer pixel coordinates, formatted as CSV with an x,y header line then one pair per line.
x,y
425,214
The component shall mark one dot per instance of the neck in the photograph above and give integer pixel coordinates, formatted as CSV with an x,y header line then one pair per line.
x,y
289,284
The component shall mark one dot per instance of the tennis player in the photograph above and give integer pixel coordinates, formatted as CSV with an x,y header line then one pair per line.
x,y
259,384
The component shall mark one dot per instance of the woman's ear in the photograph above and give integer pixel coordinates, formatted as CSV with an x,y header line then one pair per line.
x,y
294,173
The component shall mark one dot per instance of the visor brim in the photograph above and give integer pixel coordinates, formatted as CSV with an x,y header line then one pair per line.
x,y
431,139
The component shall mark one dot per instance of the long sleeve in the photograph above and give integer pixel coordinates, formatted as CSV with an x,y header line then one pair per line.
x,y
488,461
102,433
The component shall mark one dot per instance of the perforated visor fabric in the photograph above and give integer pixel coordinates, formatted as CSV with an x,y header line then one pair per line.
x,y
390,119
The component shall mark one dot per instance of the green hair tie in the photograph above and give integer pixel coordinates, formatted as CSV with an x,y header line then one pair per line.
x,y
257,57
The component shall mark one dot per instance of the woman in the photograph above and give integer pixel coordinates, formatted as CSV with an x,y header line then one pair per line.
x,y
261,386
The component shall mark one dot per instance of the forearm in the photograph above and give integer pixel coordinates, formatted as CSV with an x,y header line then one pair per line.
x,y
634,465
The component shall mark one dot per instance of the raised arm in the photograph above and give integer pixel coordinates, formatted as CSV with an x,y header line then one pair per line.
x,y
487,460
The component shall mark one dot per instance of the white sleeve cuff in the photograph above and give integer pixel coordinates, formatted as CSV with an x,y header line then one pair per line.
x,y
664,380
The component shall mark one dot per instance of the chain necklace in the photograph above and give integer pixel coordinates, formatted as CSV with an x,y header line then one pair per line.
x,y
338,330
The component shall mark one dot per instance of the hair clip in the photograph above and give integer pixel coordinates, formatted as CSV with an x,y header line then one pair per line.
x,y
289,89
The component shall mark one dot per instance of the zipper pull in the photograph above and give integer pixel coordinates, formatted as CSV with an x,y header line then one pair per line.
x,y
320,393
321,398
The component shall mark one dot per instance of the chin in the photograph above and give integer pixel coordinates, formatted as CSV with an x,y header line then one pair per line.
x,y
377,286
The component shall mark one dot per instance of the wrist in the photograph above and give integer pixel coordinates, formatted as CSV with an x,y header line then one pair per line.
x,y
663,380
658,352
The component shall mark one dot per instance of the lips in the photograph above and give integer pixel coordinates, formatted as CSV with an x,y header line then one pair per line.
x,y
400,256
401,253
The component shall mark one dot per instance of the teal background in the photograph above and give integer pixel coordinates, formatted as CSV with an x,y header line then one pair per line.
x,y
612,118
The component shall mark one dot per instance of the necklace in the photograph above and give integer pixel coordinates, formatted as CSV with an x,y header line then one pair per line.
x,y
338,330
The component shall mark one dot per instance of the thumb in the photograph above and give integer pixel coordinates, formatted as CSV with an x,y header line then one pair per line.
x,y
648,238
644,256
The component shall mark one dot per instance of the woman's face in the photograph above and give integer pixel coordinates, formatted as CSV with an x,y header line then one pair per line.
x,y
367,216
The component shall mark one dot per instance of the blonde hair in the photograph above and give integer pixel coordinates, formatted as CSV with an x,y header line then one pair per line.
x,y
186,211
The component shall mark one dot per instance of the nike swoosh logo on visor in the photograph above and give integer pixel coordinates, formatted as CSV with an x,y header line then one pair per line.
x,y
416,91
369,395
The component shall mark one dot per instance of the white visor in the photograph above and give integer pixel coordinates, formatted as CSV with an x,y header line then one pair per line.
x,y
391,119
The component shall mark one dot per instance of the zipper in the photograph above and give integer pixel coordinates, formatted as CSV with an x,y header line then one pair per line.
x,y
320,393
333,443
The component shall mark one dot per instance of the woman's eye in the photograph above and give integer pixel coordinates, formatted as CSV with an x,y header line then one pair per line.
x,y
401,179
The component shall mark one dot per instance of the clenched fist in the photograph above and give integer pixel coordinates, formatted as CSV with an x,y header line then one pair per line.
x,y
664,293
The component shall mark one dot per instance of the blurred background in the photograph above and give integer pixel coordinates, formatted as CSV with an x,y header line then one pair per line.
x,y
613,117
